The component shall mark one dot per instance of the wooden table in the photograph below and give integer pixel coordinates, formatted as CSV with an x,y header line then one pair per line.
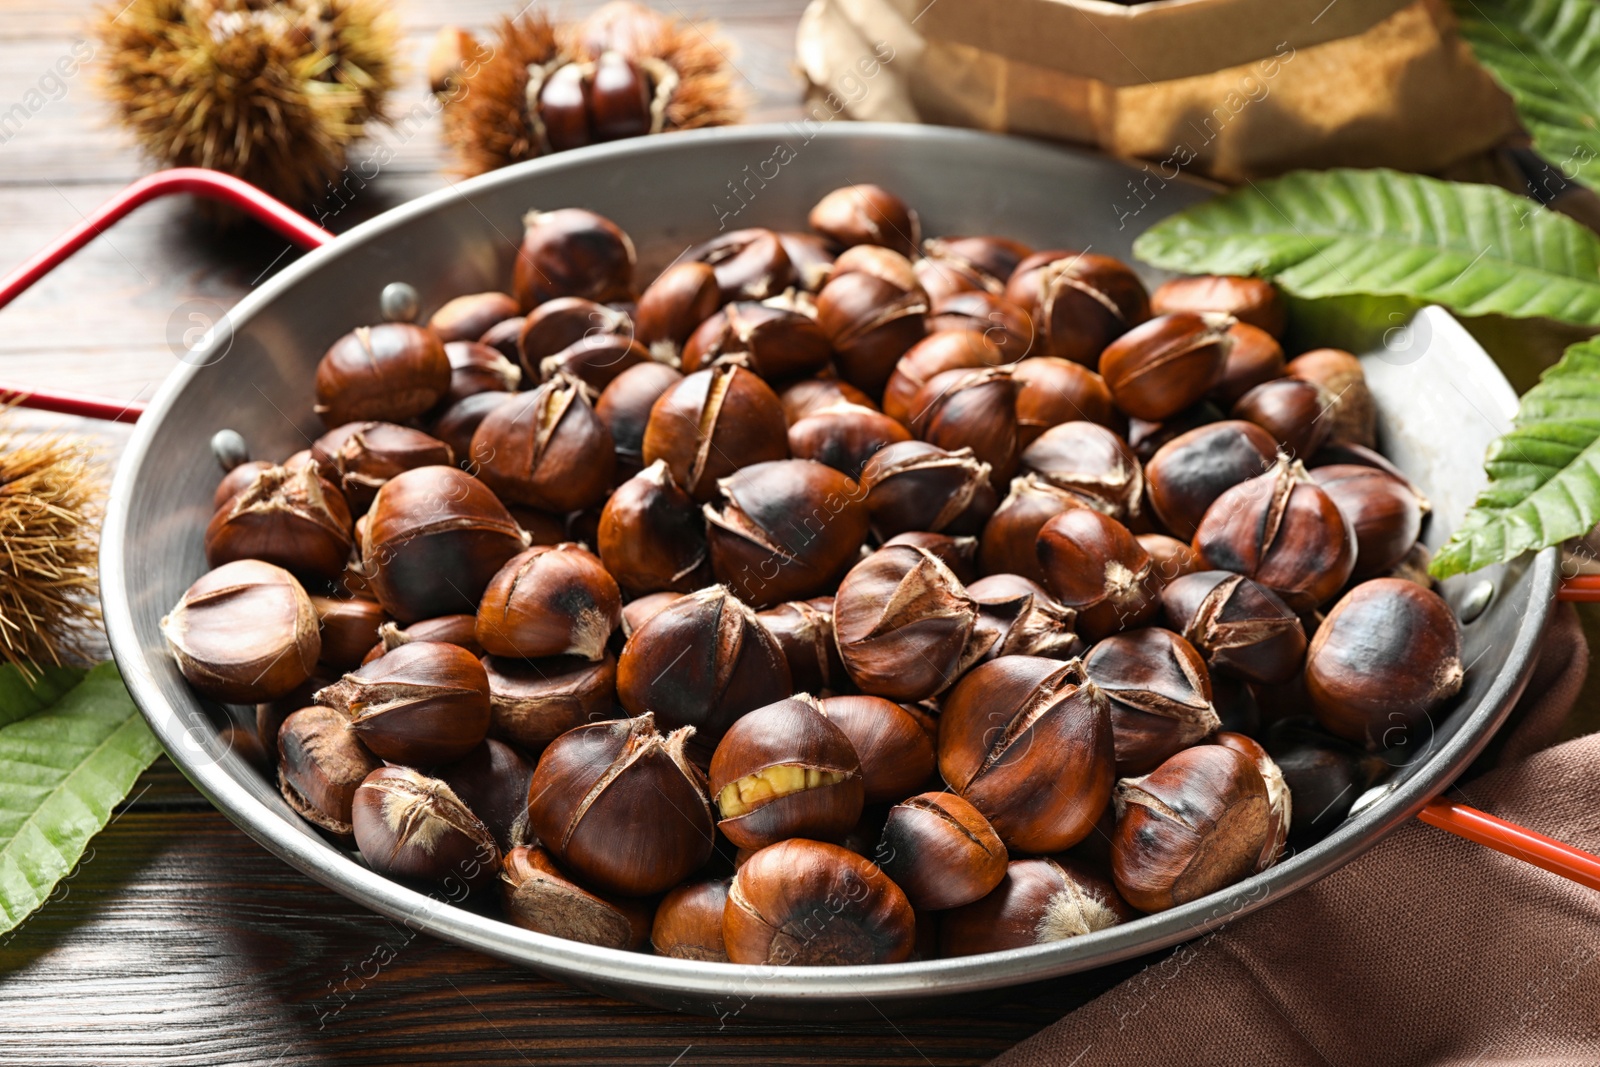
x,y
178,940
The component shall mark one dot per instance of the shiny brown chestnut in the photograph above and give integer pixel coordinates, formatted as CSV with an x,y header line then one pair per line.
x,y
492,781
1160,367
784,530
1279,806
1027,741
467,318
1090,461
951,265
652,536
1079,302
296,519
917,487
1002,322
502,337
533,702
882,263
681,298
811,256
974,409
244,633
773,342
1353,413
867,215
413,827
1038,901
940,851
424,704
844,436
572,252
1250,300
1283,530
349,627
688,923
619,98
1254,358
596,360
1189,472
476,368
1010,537
393,371
702,661
811,395
1387,656
810,903
947,350
562,97
320,764
785,770
804,631
1160,694
456,424
1240,627
560,323
1194,825
893,743
1025,619
748,264
621,806
624,410
361,456
546,448
1292,410
1384,512
450,629
538,896
711,424
236,480
1052,392
550,600
1172,558
870,324
905,626
1093,564
433,538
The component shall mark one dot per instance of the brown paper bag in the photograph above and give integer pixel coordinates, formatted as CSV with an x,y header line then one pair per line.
x,y
1230,89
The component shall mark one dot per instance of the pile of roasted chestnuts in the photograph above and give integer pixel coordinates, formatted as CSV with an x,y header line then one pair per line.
x,y
836,597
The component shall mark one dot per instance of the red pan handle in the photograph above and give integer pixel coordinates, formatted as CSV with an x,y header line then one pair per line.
x,y
1474,825
214,185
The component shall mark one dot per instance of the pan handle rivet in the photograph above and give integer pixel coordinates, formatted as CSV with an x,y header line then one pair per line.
x,y
399,302
229,448
1476,599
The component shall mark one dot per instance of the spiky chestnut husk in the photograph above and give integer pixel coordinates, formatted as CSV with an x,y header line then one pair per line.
x,y
487,122
274,93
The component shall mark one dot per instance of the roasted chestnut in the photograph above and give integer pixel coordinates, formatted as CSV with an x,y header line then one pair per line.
x,y
775,343
1160,367
1196,824
244,633
1292,410
688,923
947,350
1251,300
1189,472
893,743
960,554
320,764
451,629
361,456
811,256
748,264
917,487
867,215
1283,530
1090,461
624,410
1254,358
572,252
1160,695
534,701
1172,558
1385,658
296,519
1078,301
1038,901
1025,619
1028,742
785,770
432,539
1011,535
784,530
1324,775
503,336
940,851
804,631
550,600
467,318
809,903
1093,564
492,781
560,323
1279,814
1051,392
410,826
905,626
596,360
711,424
702,661
236,480
844,436
394,371
546,448
457,423
538,896
811,395
681,298
1352,414
952,265
652,536
621,806
424,704
349,628
1385,513
1240,627
974,409
998,319
870,323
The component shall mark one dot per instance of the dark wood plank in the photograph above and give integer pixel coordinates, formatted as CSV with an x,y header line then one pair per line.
x,y
180,941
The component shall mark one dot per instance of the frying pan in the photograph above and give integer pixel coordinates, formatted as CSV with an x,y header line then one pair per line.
x,y
1441,401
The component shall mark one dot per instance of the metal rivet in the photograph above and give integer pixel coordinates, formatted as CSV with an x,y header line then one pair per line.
x,y
229,448
1476,599
399,302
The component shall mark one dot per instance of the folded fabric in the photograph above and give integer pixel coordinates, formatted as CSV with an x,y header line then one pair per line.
x,y
1426,950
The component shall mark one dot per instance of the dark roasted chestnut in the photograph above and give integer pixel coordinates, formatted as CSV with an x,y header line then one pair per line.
x,y
546,448
1160,695
917,487
1240,627
550,600
572,252
941,851
1078,301
394,371
1160,367
1189,472
711,424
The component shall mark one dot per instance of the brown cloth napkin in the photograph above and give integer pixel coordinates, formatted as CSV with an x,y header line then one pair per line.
x,y
1426,950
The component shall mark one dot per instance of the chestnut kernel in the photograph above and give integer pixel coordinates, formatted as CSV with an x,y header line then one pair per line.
x,y
1160,695
550,600
621,806
809,903
424,704
413,827
940,851
244,633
